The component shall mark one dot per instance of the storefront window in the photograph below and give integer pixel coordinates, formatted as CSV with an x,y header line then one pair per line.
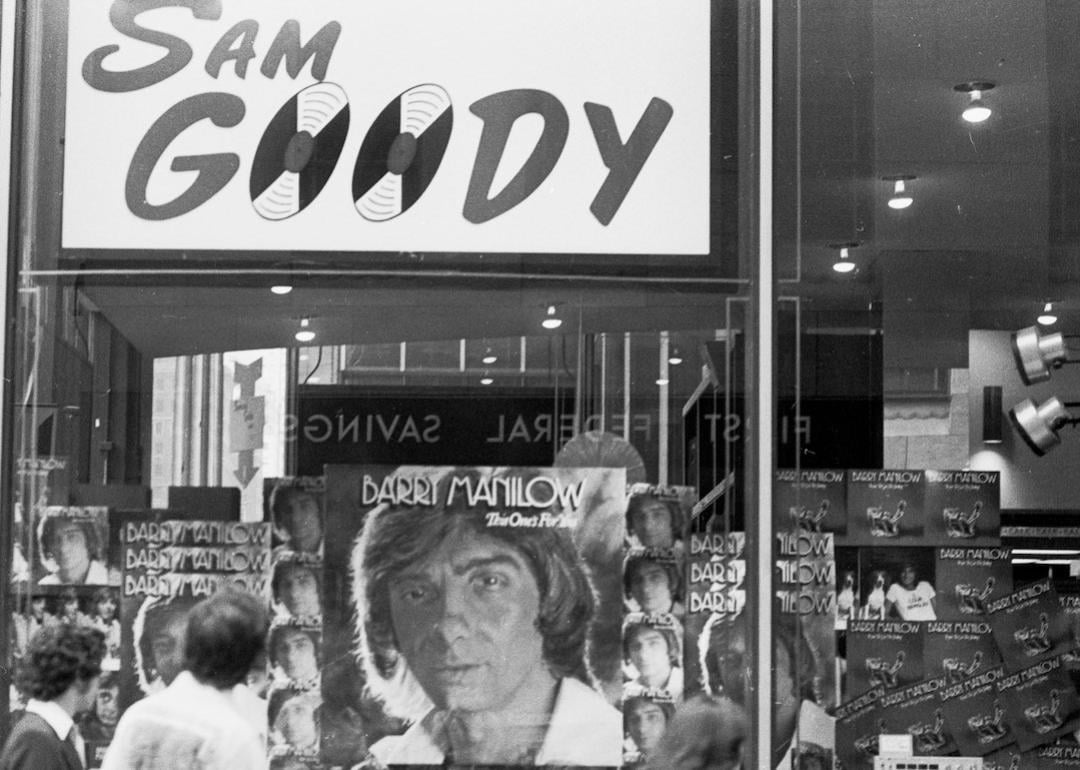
x,y
436,336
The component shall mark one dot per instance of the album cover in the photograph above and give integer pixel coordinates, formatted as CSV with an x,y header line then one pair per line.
x,y
885,507
1041,703
963,508
884,653
1029,625
858,727
957,649
975,713
969,577
916,710
810,501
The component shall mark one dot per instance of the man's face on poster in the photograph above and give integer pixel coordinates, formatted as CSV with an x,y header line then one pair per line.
x,y
294,650
465,619
651,523
646,723
297,723
107,705
650,587
300,518
648,649
69,549
298,590
167,646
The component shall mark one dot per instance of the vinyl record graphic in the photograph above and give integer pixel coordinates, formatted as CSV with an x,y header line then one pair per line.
x,y
299,150
401,152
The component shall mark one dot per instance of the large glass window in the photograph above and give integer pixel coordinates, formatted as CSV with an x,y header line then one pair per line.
x,y
434,335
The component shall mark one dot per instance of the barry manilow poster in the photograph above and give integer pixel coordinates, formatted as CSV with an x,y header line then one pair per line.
x,y
479,606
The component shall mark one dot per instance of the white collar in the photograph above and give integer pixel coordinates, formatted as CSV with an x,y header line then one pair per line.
x,y
59,720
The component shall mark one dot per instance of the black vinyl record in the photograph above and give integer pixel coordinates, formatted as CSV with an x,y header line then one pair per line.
x,y
299,150
401,152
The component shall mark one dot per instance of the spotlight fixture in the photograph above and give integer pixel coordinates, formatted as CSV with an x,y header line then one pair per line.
x,y
486,379
843,264
551,321
1037,354
305,334
976,111
1047,318
675,358
1039,425
900,198
281,289
489,357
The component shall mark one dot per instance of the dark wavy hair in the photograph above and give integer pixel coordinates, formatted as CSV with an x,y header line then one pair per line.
x,y
284,566
632,630
88,526
226,632
640,700
57,656
282,631
280,495
394,539
637,561
785,635
637,502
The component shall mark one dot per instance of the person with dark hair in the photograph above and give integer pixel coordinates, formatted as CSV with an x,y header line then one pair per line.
x,y
646,719
297,518
911,598
654,652
478,635
104,605
28,620
295,652
159,641
803,729
71,609
60,674
201,720
652,585
653,522
73,546
297,588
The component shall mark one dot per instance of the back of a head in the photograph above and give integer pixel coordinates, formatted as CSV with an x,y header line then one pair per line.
x,y
225,634
57,657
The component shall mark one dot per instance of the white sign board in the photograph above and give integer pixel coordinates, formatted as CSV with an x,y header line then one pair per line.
x,y
553,126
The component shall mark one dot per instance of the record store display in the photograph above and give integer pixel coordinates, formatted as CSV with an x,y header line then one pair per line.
x,y
299,150
401,152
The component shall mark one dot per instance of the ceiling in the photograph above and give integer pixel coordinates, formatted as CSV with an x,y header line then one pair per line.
x,y
864,90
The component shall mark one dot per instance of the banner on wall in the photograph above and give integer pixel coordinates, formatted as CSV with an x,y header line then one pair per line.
x,y
251,124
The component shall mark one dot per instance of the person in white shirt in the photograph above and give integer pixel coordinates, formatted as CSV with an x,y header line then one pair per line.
x,y
60,673
911,598
201,720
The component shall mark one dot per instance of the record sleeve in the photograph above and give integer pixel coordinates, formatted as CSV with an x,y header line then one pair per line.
x,y
884,653
963,507
1029,625
1041,703
810,501
968,577
975,713
858,729
885,507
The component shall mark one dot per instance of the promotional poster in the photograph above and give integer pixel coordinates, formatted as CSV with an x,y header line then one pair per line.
x,y
1029,626
1041,702
884,653
1062,754
473,556
968,578
957,650
916,711
975,713
858,727
71,547
805,586
716,573
897,583
885,507
810,501
168,566
963,508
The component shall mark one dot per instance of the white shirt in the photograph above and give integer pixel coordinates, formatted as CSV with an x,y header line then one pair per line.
x,y
585,730
186,726
913,604
60,721
97,575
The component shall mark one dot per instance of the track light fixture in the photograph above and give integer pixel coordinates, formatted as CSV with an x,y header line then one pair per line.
x,y
1048,317
489,357
305,334
1039,425
1036,354
551,320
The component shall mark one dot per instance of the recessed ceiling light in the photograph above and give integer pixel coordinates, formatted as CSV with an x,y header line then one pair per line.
x,y
1047,318
305,334
662,381
976,111
489,357
282,289
486,380
843,263
900,198
676,357
551,321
